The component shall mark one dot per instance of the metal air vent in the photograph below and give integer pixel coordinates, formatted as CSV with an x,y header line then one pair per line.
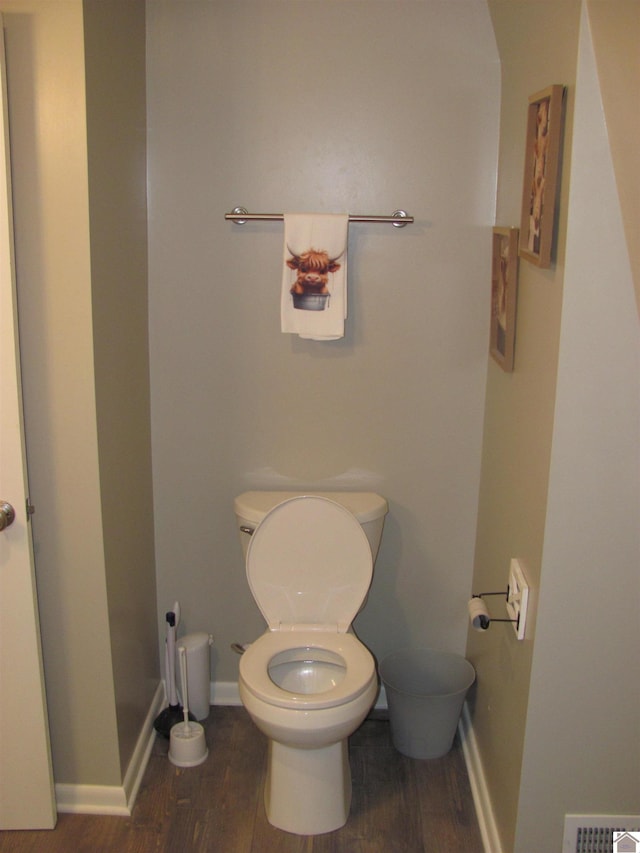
x,y
594,833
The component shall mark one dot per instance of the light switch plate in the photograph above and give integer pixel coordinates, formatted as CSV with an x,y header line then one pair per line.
x,y
517,597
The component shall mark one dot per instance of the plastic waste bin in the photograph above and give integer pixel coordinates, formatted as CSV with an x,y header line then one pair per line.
x,y
425,691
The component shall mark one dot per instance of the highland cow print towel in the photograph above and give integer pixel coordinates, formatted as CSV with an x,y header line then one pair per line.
x,y
314,280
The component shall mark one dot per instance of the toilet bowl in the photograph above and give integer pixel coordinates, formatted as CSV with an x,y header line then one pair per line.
x,y
308,682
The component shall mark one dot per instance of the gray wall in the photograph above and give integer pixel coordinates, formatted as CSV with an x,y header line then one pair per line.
x,y
321,107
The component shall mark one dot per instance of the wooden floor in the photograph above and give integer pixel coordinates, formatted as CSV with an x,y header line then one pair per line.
x,y
399,804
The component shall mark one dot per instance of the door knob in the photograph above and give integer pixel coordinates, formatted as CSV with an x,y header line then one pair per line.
x,y
7,514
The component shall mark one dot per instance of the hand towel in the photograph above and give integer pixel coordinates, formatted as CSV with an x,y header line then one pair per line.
x,y
314,281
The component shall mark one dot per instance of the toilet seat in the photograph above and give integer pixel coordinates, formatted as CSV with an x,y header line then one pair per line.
x,y
359,668
309,564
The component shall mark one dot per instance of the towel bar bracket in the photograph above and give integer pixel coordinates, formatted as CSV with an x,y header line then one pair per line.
x,y
235,213
401,214
240,215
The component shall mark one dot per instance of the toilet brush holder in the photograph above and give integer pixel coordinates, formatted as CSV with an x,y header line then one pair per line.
x,y
187,744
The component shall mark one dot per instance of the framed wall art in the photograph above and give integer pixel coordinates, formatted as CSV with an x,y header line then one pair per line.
x,y
542,155
504,295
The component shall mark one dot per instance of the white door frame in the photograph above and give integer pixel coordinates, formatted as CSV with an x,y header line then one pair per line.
x,y
27,799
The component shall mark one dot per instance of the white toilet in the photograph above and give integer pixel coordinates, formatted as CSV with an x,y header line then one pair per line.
x,y
308,682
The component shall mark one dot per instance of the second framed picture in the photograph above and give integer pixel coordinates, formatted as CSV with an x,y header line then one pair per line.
x,y
541,166
504,296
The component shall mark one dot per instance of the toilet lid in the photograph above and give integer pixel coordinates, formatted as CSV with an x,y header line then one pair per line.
x,y
309,564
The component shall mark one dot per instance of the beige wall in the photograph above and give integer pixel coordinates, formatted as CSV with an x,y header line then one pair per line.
x,y
45,59
383,110
582,750
519,407
94,635
555,488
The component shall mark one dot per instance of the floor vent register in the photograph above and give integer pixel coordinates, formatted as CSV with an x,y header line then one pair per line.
x,y
601,834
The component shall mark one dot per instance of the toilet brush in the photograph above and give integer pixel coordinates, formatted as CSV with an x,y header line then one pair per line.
x,y
188,746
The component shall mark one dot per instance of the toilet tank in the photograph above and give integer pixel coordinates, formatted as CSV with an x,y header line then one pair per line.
x,y
368,507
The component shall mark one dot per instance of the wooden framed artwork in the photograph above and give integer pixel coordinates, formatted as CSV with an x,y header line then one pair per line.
x,y
542,155
504,295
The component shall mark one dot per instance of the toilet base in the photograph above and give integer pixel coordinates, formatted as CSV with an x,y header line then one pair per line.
x,y
308,791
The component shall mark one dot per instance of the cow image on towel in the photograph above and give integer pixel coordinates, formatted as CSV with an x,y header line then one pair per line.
x,y
313,269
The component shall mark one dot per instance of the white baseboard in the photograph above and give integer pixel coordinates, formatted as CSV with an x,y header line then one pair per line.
x,y
482,801
142,751
92,799
381,701
115,799
225,693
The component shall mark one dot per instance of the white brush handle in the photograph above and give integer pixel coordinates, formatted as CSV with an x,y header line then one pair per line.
x,y
171,665
183,683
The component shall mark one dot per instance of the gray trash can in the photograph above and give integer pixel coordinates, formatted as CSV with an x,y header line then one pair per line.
x,y
425,691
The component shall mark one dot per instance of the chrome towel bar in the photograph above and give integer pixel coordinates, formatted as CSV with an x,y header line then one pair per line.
x,y
239,215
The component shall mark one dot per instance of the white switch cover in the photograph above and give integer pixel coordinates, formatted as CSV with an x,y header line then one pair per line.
x,y
517,598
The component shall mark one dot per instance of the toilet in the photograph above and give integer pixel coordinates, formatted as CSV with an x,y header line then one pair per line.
x,y
308,682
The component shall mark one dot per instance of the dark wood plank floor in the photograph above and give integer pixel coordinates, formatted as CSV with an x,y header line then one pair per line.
x,y
399,804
